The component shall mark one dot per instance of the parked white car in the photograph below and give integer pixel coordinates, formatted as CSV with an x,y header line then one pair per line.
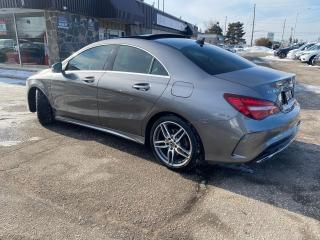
x,y
305,47
310,54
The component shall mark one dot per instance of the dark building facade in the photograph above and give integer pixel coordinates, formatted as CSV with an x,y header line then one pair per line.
x,y
43,32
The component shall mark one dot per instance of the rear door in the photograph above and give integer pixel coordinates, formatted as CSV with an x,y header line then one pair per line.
x,y
128,92
74,92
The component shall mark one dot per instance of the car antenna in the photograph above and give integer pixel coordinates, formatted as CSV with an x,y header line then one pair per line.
x,y
201,41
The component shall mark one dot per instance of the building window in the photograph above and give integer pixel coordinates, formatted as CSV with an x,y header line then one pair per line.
x,y
8,43
31,32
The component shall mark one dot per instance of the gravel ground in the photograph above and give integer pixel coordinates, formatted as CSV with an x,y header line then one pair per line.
x,y
68,182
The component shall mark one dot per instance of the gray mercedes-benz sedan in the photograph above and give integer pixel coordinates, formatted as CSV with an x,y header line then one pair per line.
x,y
190,101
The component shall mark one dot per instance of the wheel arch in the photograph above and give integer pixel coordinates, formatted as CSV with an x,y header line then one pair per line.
x,y
156,116
31,97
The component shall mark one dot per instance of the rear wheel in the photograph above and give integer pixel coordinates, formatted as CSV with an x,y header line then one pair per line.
x,y
44,109
174,143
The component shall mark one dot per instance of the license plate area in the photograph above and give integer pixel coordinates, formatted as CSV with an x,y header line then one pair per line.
x,y
287,96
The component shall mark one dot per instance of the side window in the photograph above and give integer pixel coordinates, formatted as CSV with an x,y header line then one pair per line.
x,y
131,59
91,59
158,69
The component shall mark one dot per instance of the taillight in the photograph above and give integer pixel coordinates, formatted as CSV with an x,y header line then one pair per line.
x,y
254,108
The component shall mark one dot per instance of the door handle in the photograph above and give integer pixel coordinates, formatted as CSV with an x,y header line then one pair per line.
x,y
89,79
142,86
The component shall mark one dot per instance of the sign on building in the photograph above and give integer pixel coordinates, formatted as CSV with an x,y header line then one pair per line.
x,y
63,22
91,25
170,23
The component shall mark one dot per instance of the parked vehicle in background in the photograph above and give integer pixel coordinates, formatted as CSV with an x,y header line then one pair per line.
x,y
6,45
238,48
292,53
275,45
31,52
282,52
190,101
309,55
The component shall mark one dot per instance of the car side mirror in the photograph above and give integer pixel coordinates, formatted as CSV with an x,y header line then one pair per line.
x,y
57,67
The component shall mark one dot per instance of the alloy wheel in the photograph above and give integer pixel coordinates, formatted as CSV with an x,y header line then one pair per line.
x,y
172,144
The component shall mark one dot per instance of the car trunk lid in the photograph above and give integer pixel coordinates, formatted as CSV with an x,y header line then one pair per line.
x,y
272,85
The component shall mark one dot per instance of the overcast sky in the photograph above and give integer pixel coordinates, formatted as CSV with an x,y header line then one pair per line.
x,y
270,15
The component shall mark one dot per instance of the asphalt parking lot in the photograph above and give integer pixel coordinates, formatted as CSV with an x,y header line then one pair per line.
x,y
68,182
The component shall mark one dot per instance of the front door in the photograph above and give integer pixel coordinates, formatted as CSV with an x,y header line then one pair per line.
x,y
74,92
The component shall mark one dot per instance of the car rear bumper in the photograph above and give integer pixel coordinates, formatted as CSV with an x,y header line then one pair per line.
x,y
261,146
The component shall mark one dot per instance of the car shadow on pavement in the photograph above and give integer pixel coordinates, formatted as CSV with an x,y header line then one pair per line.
x,y
290,180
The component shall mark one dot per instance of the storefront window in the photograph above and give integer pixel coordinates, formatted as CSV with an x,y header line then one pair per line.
x,y
8,41
32,38
31,32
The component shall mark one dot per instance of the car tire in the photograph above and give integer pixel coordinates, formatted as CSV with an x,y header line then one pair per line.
x,y
311,60
282,55
44,109
182,155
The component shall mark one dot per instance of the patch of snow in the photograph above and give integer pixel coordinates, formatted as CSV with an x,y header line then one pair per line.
x,y
258,61
274,58
33,139
9,143
258,49
307,88
309,66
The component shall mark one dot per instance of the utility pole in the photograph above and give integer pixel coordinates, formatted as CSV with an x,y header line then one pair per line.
x,y
225,25
291,36
158,4
163,6
17,38
295,26
284,27
253,22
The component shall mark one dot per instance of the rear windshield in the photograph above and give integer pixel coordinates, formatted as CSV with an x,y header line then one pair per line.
x,y
209,58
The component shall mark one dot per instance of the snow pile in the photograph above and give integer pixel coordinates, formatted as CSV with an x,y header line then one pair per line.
x,y
258,49
273,58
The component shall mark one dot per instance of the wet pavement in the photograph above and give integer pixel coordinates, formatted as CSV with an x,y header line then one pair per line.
x,y
68,182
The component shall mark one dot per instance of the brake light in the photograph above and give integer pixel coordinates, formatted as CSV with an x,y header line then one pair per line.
x,y
254,108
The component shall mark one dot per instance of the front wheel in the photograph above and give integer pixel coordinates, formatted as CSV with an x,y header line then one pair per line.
x,y
311,60
44,109
175,143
